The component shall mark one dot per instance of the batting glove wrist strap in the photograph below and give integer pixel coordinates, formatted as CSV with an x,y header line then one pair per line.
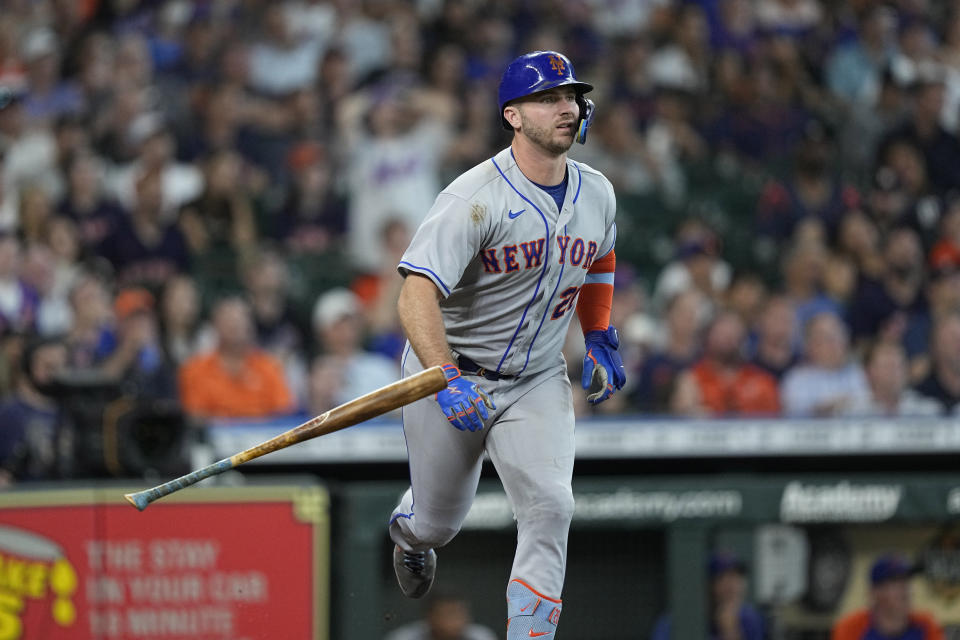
x,y
465,404
603,371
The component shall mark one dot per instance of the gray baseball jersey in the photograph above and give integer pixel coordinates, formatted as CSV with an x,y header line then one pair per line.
x,y
508,263
509,266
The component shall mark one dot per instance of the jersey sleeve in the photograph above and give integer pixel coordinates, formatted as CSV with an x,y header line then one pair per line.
x,y
448,239
610,237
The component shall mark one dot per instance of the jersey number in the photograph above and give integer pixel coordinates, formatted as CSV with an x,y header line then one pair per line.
x,y
566,302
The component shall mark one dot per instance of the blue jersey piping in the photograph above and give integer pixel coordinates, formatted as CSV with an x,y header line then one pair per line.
x,y
546,264
435,276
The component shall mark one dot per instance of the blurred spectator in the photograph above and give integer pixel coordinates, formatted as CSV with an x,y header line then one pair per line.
x,y
131,353
86,203
829,380
853,71
840,279
266,286
679,348
29,438
760,120
888,378
155,145
889,613
29,152
722,383
731,616
90,310
347,370
866,122
364,38
940,148
735,27
179,319
697,264
35,211
746,296
946,251
888,200
236,379
775,340
11,68
813,189
19,301
943,300
379,291
50,96
943,382
789,17
395,139
221,219
314,216
803,266
446,617
683,61
619,150
887,307
283,61
143,249
858,238
40,271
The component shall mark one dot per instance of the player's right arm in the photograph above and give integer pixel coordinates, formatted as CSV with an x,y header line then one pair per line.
x,y
464,403
420,317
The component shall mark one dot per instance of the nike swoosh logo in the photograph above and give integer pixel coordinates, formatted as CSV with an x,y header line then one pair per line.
x,y
512,215
537,634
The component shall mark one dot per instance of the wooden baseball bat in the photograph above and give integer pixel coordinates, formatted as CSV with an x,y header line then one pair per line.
x,y
373,404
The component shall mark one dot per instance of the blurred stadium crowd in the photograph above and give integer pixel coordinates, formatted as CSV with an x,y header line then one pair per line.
x,y
206,200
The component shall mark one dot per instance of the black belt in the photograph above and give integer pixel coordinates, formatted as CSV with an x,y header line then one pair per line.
x,y
469,367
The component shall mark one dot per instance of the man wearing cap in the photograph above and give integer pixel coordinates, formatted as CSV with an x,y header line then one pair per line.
x,y
731,617
889,615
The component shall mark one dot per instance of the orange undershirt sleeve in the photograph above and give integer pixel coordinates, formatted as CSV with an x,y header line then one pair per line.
x,y
596,295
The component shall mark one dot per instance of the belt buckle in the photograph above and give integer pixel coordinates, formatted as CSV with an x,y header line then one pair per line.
x,y
482,372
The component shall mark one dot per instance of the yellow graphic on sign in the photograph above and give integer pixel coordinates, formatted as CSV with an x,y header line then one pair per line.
x,y
33,568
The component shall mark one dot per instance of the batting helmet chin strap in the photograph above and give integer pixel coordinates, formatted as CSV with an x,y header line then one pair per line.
x,y
587,109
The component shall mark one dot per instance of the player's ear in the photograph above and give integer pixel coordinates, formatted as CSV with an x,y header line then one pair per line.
x,y
511,114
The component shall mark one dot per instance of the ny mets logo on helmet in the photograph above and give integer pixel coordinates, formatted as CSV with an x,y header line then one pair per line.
x,y
557,65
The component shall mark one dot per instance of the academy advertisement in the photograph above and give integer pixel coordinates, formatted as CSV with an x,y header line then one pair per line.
x,y
75,568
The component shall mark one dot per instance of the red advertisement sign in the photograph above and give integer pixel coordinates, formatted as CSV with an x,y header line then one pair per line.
x,y
217,564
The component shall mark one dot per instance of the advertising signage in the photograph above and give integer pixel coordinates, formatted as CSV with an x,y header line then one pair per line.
x,y
219,563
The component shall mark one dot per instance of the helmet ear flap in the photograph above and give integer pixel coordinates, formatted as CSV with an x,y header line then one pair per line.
x,y
587,109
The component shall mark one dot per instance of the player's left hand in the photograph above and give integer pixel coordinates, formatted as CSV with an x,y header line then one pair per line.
x,y
603,372
465,403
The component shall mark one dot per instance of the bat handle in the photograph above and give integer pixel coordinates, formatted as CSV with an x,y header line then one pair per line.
x,y
141,499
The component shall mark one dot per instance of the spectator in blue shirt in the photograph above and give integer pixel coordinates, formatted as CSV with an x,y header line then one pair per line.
x,y
29,418
731,616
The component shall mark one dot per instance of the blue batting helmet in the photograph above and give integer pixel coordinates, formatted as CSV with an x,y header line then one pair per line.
x,y
539,71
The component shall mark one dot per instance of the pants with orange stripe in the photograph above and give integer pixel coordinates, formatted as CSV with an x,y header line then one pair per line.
x,y
529,438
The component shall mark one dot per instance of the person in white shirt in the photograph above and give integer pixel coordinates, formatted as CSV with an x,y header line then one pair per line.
x,y
828,382
886,369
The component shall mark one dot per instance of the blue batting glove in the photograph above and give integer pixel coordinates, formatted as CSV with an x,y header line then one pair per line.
x,y
463,402
603,372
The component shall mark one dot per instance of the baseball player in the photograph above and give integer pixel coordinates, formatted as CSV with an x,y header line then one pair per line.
x,y
508,252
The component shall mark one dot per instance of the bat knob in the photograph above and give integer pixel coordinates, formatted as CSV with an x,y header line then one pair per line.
x,y
138,500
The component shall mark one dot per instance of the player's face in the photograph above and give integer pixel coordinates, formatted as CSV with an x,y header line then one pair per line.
x,y
549,119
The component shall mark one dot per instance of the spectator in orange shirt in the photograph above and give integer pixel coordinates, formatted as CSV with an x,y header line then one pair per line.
x,y
721,383
236,379
889,615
